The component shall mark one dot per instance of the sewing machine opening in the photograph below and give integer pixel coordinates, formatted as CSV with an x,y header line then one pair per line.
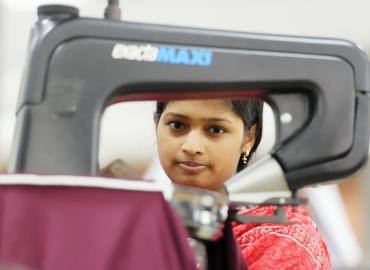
x,y
128,141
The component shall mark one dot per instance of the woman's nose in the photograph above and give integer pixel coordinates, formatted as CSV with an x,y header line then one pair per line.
x,y
193,145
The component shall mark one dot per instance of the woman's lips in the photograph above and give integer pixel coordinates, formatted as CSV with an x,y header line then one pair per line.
x,y
192,167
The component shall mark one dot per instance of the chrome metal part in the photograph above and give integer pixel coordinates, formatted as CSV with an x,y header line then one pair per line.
x,y
203,212
258,182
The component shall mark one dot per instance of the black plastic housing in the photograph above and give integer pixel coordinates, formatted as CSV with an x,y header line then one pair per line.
x,y
71,75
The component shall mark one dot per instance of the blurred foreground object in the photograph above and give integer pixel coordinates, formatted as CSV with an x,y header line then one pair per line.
x,y
67,222
72,224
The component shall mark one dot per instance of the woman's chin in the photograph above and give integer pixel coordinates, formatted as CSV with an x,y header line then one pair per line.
x,y
193,182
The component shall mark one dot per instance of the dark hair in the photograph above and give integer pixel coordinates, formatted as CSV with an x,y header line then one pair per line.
x,y
249,110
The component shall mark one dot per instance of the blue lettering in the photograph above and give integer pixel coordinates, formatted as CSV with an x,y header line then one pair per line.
x,y
207,57
195,57
166,55
182,57
201,57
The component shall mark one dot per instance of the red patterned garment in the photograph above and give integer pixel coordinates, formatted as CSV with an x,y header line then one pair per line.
x,y
297,246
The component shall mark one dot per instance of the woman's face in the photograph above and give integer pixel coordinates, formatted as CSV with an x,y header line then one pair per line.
x,y
200,142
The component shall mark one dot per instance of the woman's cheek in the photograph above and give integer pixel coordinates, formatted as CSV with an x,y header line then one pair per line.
x,y
167,151
228,167
225,174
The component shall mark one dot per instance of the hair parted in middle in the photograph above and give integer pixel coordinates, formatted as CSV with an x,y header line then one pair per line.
x,y
249,110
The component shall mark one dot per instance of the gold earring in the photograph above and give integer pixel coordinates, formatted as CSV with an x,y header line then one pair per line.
x,y
245,158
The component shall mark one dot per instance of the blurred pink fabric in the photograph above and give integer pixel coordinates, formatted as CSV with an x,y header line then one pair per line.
x,y
62,228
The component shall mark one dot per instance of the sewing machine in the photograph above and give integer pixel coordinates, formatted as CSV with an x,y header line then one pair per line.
x,y
77,66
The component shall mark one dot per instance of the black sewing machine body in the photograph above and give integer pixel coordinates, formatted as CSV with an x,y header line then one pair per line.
x,y
76,66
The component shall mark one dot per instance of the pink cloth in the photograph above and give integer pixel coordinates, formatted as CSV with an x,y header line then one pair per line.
x,y
268,246
62,228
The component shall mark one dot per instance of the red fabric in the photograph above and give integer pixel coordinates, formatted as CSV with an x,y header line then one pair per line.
x,y
282,246
75,228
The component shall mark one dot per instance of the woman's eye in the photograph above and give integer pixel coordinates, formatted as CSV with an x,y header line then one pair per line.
x,y
216,130
176,125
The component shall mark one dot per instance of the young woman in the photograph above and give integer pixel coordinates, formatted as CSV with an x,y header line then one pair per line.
x,y
202,143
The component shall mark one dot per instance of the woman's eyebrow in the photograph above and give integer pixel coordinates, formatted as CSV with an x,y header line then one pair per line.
x,y
216,119
207,119
176,115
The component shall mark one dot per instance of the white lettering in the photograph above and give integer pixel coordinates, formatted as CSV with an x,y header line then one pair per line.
x,y
135,52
